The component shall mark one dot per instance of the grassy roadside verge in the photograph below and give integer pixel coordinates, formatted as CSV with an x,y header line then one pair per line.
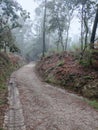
x,y
4,73
92,103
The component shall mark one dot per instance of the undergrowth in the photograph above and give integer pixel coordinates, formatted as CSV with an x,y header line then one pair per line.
x,y
93,103
1,129
6,68
65,70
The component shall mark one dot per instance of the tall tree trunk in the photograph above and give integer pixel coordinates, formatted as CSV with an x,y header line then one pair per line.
x,y
94,30
82,23
61,40
60,31
57,46
67,37
86,32
44,30
5,47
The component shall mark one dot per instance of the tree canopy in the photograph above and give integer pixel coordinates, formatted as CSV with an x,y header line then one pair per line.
x,y
10,12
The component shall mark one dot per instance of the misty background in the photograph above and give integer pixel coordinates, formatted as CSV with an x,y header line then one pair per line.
x,y
65,25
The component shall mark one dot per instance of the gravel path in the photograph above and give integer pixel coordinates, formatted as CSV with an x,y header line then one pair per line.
x,y
50,108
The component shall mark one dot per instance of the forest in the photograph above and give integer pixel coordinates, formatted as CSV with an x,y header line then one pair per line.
x,y
50,30
61,38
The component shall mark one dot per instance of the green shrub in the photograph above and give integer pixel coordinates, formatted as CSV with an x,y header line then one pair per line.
x,y
84,62
94,104
50,79
86,57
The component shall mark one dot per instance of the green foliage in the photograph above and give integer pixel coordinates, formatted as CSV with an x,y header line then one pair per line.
x,y
10,8
93,103
5,70
10,12
51,79
14,48
2,102
1,129
2,86
85,63
86,57
59,15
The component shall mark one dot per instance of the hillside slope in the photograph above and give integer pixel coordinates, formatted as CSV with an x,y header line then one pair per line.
x,y
64,70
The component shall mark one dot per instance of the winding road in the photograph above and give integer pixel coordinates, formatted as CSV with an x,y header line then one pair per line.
x,y
40,106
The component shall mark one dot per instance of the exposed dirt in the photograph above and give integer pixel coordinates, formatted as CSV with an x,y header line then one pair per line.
x,y
65,70
47,107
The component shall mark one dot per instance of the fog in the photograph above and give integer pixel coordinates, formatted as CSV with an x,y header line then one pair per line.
x,y
29,38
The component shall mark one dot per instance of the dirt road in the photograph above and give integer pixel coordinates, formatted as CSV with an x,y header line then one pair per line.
x,y
50,108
